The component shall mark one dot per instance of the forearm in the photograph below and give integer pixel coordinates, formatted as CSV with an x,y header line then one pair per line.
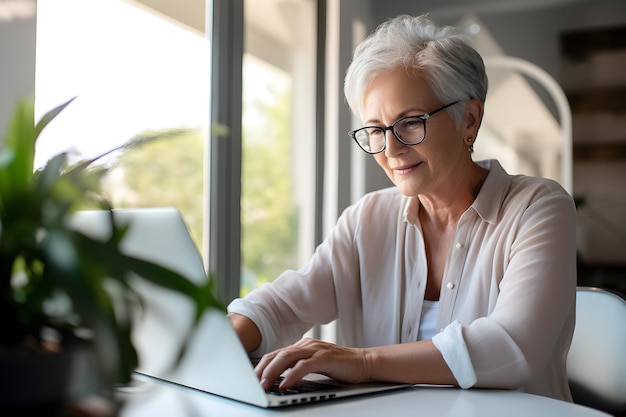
x,y
414,363
247,331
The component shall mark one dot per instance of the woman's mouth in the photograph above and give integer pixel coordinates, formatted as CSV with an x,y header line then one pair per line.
x,y
405,169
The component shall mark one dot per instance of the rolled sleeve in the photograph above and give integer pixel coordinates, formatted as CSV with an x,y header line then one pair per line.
x,y
454,351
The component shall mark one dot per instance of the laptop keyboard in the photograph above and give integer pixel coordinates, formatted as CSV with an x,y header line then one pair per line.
x,y
301,387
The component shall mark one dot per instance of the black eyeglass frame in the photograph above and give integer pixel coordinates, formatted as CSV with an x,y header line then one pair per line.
x,y
422,117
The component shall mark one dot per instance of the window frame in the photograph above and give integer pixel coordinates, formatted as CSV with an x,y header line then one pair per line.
x,y
224,153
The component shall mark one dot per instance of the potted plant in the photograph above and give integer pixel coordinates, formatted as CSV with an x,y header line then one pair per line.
x,y
56,281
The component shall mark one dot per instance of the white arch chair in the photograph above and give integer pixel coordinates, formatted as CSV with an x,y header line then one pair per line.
x,y
596,363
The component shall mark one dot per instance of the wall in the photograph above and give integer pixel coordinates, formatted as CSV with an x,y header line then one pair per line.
x,y
17,69
190,13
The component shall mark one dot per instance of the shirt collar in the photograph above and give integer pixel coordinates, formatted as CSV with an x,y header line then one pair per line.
x,y
488,202
492,193
411,209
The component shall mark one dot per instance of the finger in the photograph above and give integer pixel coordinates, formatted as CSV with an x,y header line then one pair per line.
x,y
263,362
279,362
299,370
267,370
269,357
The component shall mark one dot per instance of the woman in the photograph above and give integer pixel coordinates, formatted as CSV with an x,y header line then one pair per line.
x,y
460,274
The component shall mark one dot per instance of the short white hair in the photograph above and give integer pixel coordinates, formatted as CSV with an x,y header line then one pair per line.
x,y
442,55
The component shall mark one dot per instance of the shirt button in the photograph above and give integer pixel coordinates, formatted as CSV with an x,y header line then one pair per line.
x,y
450,285
459,245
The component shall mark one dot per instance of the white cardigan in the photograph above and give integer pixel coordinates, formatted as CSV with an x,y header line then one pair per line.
x,y
507,303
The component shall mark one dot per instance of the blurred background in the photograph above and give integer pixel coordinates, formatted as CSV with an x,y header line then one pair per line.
x,y
259,195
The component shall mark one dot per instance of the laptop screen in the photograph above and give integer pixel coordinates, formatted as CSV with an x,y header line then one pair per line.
x,y
159,235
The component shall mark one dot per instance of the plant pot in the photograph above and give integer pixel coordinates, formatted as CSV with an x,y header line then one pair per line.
x,y
33,383
44,384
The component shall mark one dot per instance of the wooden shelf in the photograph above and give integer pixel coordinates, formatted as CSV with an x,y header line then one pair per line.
x,y
593,62
611,100
599,152
578,45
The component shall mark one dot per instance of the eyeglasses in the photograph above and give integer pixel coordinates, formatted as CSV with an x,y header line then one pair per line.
x,y
409,130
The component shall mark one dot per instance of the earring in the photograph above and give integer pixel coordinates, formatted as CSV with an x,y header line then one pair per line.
x,y
470,144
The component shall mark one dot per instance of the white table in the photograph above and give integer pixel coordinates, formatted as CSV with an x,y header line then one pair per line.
x,y
156,399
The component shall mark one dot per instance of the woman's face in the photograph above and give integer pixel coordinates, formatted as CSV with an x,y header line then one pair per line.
x,y
434,163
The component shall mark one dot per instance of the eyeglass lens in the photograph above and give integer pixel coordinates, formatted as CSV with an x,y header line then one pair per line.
x,y
410,131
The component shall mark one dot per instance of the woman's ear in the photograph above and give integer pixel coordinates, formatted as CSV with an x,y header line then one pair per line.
x,y
473,117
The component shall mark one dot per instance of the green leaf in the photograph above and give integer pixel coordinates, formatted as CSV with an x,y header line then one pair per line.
x,y
50,173
20,143
50,115
18,155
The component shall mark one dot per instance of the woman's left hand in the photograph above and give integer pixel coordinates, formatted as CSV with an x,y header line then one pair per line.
x,y
312,356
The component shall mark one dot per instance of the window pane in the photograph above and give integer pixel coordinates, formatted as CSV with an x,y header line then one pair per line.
x,y
133,73
277,200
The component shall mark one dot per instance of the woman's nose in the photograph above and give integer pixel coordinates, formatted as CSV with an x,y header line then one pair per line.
x,y
393,146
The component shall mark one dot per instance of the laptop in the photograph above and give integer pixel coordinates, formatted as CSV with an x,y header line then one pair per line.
x,y
215,361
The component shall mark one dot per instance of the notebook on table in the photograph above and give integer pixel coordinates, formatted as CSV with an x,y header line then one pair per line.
x,y
215,361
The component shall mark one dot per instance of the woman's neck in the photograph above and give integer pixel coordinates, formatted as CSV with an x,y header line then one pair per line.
x,y
444,207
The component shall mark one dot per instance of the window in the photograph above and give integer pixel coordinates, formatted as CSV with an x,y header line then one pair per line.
x,y
132,72
135,72
278,134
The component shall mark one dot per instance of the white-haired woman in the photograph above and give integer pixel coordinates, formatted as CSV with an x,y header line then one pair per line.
x,y
459,274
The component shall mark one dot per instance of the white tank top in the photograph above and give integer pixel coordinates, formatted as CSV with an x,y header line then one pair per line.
x,y
428,322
